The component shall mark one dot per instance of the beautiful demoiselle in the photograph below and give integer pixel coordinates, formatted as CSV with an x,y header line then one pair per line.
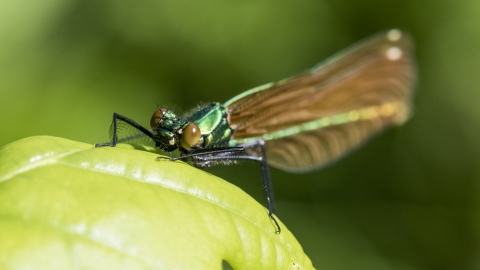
x,y
298,124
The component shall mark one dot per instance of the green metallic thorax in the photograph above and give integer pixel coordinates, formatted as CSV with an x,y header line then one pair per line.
x,y
212,121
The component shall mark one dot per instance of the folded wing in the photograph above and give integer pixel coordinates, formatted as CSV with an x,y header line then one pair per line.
x,y
312,119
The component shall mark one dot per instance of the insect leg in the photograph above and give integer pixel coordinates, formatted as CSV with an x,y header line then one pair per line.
x,y
209,151
266,178
128,121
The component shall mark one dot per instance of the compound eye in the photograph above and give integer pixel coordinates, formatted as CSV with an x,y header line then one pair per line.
x,y
157,117
190,136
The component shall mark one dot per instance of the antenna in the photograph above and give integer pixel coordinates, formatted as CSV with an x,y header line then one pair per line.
x,y
155,103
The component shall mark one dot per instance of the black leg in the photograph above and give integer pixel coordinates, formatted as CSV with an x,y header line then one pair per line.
x,y
128,121
208,152
267,179
229,153
267,182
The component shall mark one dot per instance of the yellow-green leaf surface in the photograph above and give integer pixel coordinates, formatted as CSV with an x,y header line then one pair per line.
x,y
69,205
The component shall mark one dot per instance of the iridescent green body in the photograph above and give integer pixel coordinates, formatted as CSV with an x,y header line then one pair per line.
x,y
216,131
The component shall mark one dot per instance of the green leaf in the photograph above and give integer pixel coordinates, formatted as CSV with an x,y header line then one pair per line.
x,y
69,205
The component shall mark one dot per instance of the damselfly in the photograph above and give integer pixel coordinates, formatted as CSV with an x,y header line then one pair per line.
x,y
298,124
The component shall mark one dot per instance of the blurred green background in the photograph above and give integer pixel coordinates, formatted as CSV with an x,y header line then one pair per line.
x,y
407,200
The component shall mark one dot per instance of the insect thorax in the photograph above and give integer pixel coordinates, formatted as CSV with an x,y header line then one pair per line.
x,y
212,121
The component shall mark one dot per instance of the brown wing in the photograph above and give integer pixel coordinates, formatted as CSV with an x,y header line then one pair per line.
x,y
313,119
